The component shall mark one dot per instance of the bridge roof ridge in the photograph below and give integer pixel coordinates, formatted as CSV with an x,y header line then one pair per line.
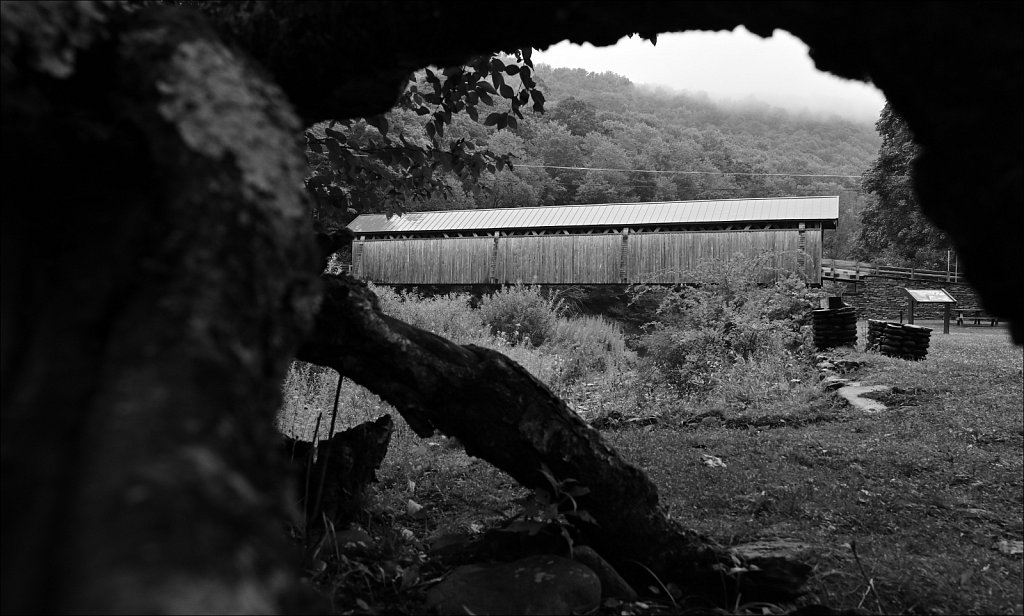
x,y
704,211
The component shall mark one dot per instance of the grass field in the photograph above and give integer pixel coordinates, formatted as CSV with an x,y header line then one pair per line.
x,y
917,509
925,491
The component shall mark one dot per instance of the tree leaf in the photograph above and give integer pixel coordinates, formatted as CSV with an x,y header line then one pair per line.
x,y
586,517
316,182
511,69
527,56
538,100
493,118
334,134
380,123
507,91
446,160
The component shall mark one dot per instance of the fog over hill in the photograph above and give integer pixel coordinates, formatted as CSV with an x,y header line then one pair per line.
x,y
734,66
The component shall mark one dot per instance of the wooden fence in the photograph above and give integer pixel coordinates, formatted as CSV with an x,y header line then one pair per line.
x,y
839,269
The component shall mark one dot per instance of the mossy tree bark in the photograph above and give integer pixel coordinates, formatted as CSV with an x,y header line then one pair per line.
x,y
158,272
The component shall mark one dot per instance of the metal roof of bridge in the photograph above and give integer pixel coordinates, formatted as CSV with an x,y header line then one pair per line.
x,y
803,209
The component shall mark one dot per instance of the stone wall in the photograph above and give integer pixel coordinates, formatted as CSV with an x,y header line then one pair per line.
x,y
883,297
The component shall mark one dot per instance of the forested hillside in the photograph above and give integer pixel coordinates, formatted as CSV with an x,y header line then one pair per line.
x,y
603,139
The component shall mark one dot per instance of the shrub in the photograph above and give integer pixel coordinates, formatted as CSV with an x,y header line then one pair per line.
x,y
588,344
521,314
451,316
728,317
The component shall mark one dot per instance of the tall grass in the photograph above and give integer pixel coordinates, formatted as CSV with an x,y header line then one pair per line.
x,y
450,316
729,343
521,314
568,354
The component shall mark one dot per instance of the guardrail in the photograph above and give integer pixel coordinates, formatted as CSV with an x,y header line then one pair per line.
x,y
840,269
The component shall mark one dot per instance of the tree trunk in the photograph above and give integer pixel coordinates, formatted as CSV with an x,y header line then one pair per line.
x,y
158,271
502,414
333,476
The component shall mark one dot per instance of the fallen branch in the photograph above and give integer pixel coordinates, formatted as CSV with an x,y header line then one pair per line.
x,y
504,415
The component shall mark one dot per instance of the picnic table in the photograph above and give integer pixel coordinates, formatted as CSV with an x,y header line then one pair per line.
x,y
975,314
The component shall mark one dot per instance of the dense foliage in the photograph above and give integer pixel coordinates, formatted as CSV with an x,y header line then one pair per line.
x,y
894,231
726,322
408,157
520,314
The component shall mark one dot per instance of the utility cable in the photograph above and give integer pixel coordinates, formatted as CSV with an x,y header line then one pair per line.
x,y
795,175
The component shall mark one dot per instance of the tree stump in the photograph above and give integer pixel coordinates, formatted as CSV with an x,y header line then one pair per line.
x,y
332,475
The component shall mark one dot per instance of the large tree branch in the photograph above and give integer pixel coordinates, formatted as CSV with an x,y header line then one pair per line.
x,y
501,413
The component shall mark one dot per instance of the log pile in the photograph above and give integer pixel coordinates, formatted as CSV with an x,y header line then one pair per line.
x,y
905,341
834,327
876,331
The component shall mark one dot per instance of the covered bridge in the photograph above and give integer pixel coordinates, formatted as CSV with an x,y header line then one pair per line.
x,y
588,244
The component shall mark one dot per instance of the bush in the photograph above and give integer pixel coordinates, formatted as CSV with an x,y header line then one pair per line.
x,y
588,344
451,316
727,325
521,314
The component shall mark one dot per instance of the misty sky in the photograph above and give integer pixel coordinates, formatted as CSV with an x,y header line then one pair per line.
x,y
733,66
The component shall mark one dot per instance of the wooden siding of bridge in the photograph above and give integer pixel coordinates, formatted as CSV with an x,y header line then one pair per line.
x,y
576,259
666,257
559,259
426,261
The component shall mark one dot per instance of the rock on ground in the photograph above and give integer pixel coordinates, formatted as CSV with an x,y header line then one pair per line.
x,y
532,585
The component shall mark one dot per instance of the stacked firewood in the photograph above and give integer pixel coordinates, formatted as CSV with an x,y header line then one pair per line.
x,y
905,341
834,327
876,331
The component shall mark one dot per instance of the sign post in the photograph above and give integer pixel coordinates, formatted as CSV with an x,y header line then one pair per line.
x,y
930,296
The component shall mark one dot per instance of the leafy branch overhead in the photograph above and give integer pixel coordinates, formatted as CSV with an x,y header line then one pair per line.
x,y
404,160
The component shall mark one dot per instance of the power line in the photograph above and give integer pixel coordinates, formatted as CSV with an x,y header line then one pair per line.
x,y
795,175
621,185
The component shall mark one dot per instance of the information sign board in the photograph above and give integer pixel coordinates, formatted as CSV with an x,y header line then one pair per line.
x,y
930,296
